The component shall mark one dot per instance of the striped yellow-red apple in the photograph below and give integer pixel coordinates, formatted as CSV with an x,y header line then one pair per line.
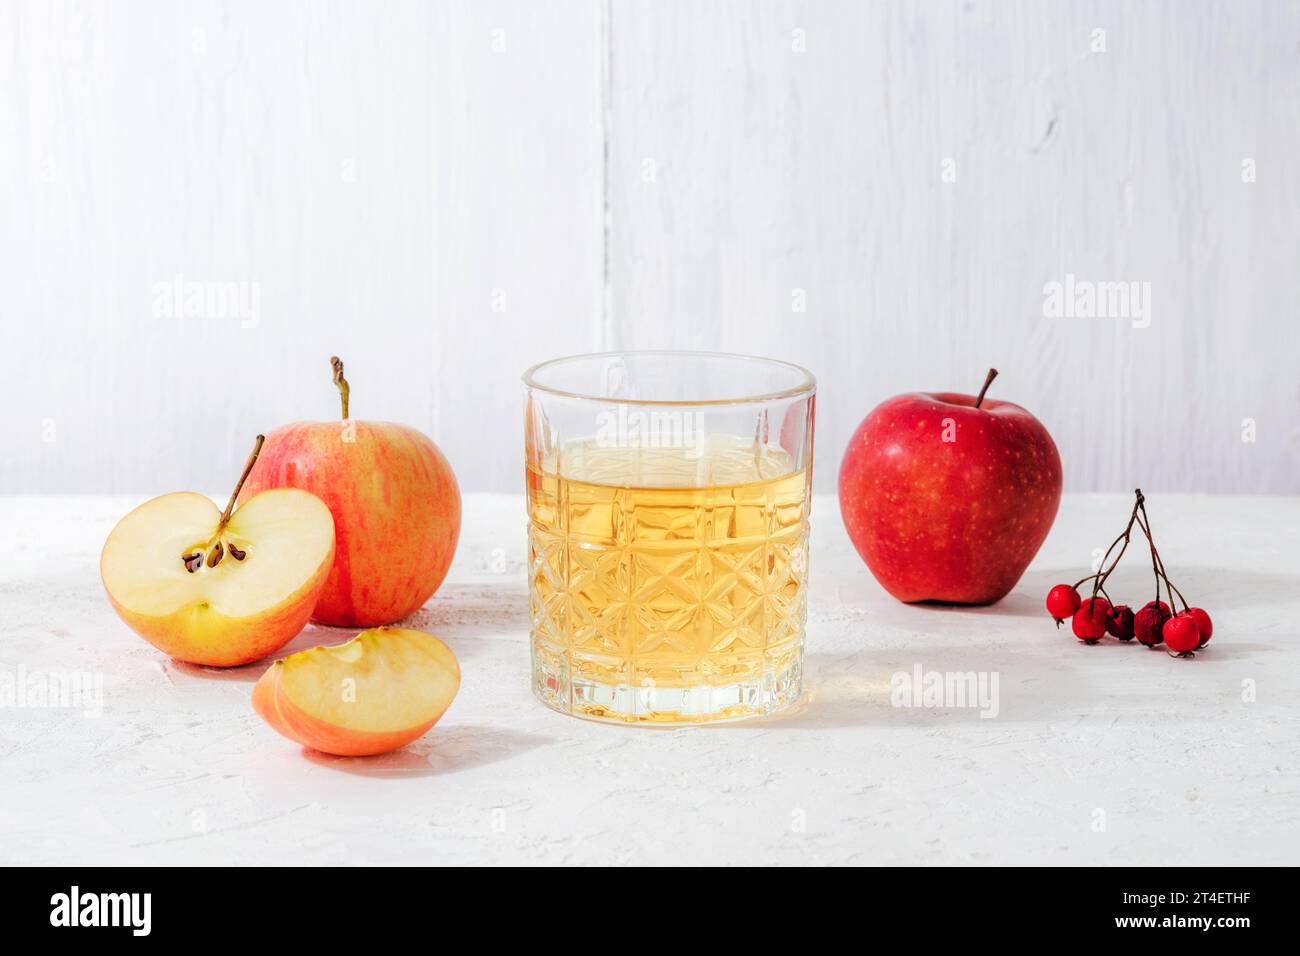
x,y
395,503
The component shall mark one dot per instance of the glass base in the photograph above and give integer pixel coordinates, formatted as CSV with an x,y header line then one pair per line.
x,y
759,696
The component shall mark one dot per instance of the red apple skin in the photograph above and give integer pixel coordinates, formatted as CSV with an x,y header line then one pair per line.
x,y
955,521
396,512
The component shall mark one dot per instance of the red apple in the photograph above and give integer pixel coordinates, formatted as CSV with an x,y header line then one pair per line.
x,y
948,497
395,503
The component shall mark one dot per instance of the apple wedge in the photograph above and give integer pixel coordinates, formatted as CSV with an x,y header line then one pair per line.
x,y
372,694
219,588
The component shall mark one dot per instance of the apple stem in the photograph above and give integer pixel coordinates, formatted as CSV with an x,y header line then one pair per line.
x,y
993,373
344,389
248,467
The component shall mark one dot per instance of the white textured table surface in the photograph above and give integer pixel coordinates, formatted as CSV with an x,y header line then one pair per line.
x,y
1110,754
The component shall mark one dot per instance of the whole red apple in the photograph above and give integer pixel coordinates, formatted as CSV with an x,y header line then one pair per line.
x,y
395,503
948,497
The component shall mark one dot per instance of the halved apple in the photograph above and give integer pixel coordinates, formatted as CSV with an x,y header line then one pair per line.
x,y
372,694
219,588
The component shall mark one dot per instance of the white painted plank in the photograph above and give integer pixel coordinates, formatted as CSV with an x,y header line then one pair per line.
x,y
765,151
377,171
372,171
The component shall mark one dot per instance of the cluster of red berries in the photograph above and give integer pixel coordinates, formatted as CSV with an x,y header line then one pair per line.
x,y
1095,616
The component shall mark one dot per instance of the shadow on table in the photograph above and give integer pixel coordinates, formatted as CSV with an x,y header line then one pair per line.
x,y
446,750
881,687
480,610
1215,589
313,635
461,615
857,690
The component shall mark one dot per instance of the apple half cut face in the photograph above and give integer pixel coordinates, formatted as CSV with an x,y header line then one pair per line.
x,y
372,694
213,595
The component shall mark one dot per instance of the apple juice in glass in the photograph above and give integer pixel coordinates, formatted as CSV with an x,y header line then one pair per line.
x,y
668,534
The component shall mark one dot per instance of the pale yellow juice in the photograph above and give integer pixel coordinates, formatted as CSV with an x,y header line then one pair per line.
x,y
668,585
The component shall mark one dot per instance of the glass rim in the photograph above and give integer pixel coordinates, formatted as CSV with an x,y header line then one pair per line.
x,y
808,385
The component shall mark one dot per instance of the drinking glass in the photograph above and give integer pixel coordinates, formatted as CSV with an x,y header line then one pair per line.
x,y
668,497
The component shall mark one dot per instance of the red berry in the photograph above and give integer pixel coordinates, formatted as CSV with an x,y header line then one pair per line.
x,y
1149,623
1181,633
1203,623
1062,602
1099,605
1119,622
1087,627
1089,621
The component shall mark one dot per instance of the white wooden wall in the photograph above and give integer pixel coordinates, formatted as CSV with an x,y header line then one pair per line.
x,y
444,193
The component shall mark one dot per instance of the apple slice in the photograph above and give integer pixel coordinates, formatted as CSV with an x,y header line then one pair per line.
x,y
372,694
219,588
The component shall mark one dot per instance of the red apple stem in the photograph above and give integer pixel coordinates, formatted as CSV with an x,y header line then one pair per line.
x,y
345,389
248,467
993,373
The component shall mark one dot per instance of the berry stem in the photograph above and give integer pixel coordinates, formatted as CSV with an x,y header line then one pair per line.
x,y
988,380
1158,565
1099,578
